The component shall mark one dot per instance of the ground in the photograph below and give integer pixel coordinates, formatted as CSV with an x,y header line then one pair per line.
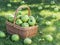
x,y
41,15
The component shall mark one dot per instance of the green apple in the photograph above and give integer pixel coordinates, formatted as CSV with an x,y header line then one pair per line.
x,y
47,6
58,36
18,22
10,18
48,23
25,18
27,41
40,7
18,16
9,5
49,38
56,9
42,3
15,37
25,25
31,17
2,34
41,39
32,21
54,16
52,2
22,2
53,6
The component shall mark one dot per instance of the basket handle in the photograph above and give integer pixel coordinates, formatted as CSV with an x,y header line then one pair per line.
x,y
19,8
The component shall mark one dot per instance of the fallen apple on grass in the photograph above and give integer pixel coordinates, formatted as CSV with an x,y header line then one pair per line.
x,y
40,8
41,39
58,36
27,41
56,9
52,2
47,6
9,5
53,6
15,37
49,38
2,34
53,16
48,23
22,2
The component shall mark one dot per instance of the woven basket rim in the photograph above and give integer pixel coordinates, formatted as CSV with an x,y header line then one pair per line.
x,y
16,26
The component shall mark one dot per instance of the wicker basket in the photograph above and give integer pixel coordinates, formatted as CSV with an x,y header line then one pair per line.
x,y
24,32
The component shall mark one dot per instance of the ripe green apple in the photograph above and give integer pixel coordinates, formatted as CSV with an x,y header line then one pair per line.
x,y
9,5
2,34
27,41
32,21
52,2
41,39
58,36
42,3
40,7
25,25
15,37
47,6
18,16
10,18
18,22
49,38
22,2
54,16
48,23
56,9
31,17
53,6
25,18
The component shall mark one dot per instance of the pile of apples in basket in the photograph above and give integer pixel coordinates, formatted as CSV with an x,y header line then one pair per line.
x,y
22,20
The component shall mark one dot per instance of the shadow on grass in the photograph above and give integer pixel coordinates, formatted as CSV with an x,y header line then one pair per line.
x,y
2,23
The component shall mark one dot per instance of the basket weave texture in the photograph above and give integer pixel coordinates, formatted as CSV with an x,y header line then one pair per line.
x,y
24,32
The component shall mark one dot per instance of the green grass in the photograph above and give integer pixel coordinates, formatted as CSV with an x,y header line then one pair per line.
x,y
41,17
